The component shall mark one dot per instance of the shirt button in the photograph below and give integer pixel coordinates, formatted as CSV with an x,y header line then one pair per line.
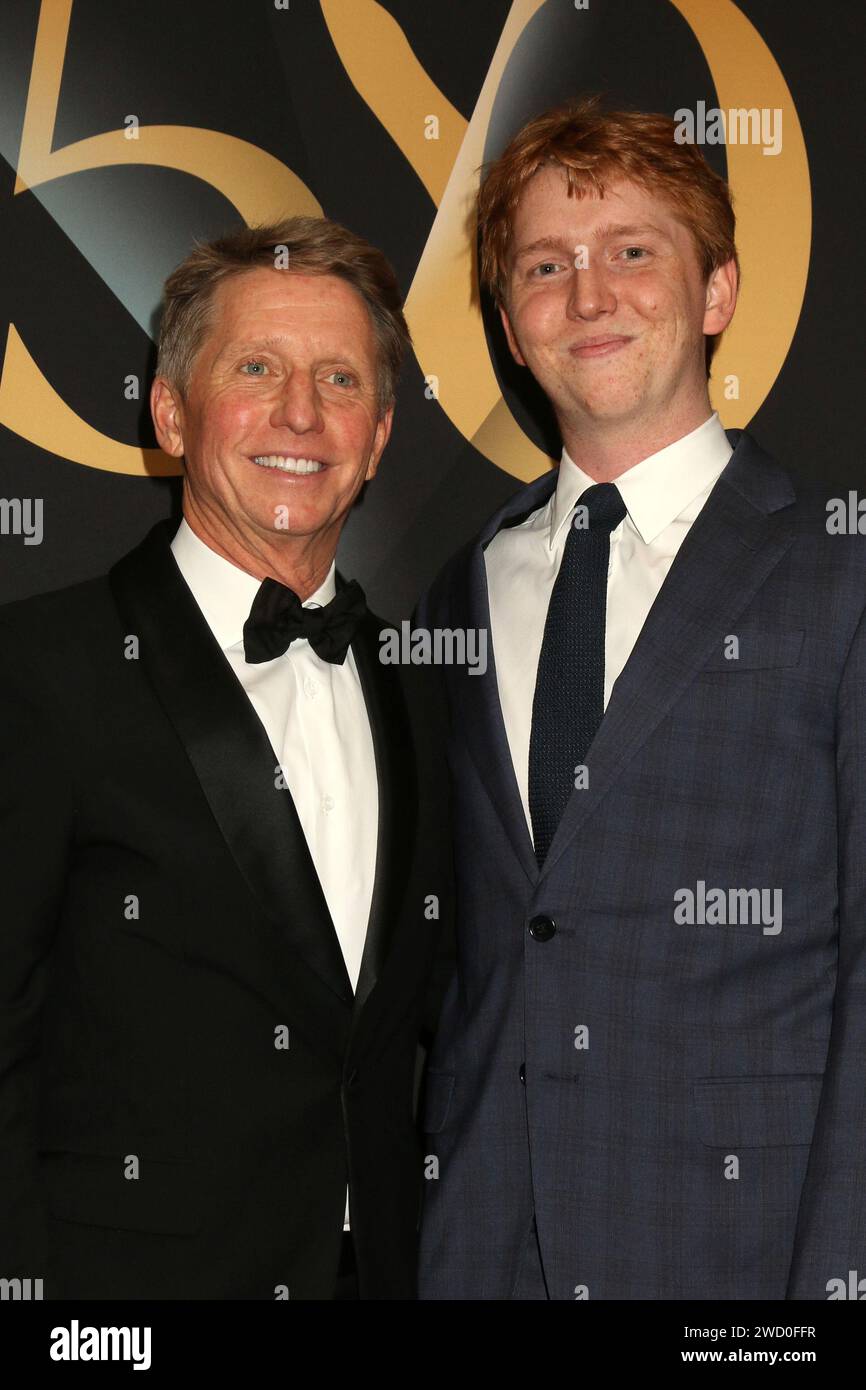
x,y
327,803
311,687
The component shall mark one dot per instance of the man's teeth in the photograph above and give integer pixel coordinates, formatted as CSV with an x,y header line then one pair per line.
x,y
288,465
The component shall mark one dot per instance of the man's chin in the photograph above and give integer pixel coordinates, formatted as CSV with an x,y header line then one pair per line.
x,y
588,412
284,522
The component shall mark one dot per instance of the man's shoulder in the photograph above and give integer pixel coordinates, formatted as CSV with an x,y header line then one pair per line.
x,y
822,560
56,609
781,481
806,503
73,617
821,510
520,504
829,508
52,646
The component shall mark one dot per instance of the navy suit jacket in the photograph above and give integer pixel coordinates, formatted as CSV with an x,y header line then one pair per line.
x,y
680,1107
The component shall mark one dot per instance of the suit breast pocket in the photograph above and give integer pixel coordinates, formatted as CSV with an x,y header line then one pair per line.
x,y
754,649
756,1111
166,1198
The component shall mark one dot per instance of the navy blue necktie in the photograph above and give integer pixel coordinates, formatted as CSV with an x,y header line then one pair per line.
x,y
569,689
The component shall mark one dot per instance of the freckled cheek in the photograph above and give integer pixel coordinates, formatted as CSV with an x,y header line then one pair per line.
x,y
548,323
660,301
532,323
648,306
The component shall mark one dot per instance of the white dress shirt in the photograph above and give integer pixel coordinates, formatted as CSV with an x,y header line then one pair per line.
x,y
315,716
663,494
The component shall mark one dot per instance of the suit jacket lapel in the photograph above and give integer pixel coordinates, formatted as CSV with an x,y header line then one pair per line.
x,y
478,696
395,770
232,758
739,536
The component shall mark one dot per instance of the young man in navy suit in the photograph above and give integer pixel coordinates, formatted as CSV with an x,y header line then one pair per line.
x,y
648,1082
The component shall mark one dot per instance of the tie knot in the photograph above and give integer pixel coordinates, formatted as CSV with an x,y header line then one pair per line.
x,y
604,508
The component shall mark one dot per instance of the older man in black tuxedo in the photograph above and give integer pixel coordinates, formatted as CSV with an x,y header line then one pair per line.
x,y
223,853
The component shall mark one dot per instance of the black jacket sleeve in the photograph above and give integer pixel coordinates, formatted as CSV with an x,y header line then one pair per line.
x,y
35,838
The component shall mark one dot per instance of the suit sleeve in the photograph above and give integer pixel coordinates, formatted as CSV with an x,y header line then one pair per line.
x,y
34,839
831,1228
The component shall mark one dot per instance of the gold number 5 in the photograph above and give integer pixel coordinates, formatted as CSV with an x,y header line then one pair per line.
x,y
259,186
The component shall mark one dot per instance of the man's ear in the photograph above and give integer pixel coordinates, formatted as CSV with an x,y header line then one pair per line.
x,y
509,334
380,439
721,300
166,412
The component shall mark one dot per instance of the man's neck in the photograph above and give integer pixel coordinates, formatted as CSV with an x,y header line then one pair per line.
x,y
300,562
606,452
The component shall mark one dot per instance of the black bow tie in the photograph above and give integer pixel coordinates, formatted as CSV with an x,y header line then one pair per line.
x,y
277,617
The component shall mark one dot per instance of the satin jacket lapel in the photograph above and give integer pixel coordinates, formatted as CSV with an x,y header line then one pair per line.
x,y
233,760
739,536
397,781
477,697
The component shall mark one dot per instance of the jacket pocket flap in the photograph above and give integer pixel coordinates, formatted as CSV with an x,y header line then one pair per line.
x,y
750,1111
757,650
91,1189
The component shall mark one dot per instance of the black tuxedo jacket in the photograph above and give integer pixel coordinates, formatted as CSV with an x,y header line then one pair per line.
x,y
187,1082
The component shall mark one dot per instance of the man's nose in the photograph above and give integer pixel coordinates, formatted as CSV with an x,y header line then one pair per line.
x,y
298,404
591,293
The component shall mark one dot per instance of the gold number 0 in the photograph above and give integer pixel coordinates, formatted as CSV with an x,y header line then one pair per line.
x,y
774,222
256,183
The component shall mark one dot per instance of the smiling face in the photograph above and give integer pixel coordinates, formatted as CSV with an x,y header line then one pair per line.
x,y
619,345
279,425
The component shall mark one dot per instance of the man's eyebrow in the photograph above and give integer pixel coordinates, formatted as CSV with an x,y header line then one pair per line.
x,y
545,243
600,234
628,229
247,344
274,340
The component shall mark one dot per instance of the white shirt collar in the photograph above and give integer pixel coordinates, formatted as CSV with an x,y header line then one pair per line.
x,y
656,490
223,592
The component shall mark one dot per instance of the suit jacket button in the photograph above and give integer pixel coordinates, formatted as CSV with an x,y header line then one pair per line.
x,y
542,928
523,1072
